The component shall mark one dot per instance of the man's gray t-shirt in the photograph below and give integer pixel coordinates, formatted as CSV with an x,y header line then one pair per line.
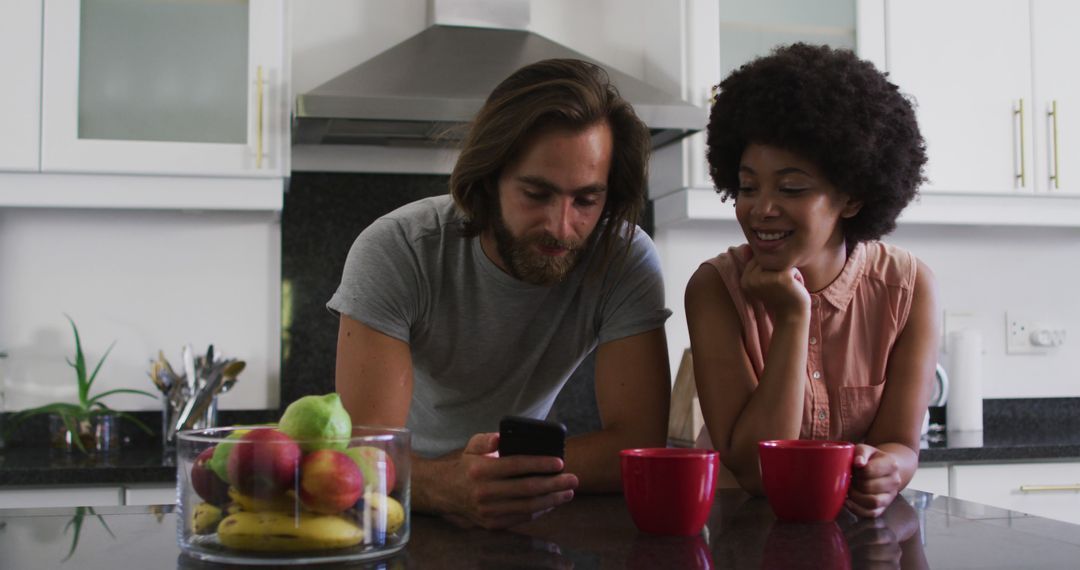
x,y
483,343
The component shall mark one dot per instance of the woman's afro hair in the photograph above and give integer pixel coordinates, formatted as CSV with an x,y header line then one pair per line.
x,y
832,108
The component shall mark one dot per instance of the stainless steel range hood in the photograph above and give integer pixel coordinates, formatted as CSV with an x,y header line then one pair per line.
x,y
417,91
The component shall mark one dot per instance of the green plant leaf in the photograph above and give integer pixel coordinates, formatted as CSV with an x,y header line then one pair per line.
x,y
73,428
134,420
90,381
98,397
75,521
54,408
80,363
103,523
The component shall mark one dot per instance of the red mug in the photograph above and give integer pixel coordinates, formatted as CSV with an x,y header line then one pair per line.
x,y
806,480
669,490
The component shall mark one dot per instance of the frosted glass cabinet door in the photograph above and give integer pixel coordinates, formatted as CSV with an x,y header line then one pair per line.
x,y
164,87
967,63
20,72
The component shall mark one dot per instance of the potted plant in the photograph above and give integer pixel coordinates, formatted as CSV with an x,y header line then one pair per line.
x,y
87,424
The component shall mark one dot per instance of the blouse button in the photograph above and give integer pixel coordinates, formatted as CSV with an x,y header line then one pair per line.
x,y
813,340
821,415
816,375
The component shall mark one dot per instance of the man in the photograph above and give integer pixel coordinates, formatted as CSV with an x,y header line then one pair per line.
x,y
455,312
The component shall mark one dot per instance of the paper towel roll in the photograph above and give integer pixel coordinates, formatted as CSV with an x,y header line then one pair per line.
x,y
964,407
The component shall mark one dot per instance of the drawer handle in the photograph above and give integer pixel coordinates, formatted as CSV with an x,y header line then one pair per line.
x,y
1040,488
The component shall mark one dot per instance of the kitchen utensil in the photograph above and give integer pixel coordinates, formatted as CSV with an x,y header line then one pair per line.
x,y
189,367
197,405
669,491
165,363
232,370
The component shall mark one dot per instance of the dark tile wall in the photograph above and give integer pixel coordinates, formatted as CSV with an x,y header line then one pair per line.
x,y
323,214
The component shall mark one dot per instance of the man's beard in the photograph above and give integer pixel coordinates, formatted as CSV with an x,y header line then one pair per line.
x,y
525,263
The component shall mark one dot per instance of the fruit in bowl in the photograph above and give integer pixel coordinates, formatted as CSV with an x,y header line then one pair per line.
x,y
330,482
377,467
306,488
320,422
264,463
206,482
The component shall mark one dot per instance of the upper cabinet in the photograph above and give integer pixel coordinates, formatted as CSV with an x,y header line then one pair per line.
x,y
1056,90
169,87
987,76
20,66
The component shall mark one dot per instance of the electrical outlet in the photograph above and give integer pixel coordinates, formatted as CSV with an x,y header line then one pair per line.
x,y
1025,335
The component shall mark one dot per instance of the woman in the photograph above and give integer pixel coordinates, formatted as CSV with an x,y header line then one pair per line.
x,y
813,329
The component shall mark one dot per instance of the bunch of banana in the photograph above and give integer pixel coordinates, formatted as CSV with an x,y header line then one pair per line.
x,y
205,518
275,531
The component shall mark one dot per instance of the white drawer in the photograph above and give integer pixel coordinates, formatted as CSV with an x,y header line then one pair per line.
x,y
1045,489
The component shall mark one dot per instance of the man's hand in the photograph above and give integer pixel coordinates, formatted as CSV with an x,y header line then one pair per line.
x,y
499,492
875,483
782,292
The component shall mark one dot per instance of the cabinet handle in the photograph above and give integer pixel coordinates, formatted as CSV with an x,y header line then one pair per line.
x,y
1039,488
259,117
1022,176
1053,123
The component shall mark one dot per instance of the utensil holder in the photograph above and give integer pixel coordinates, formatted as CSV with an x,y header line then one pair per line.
x,y
170,414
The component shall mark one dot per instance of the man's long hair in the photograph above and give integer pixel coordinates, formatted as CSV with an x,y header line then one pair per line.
x,y
554,93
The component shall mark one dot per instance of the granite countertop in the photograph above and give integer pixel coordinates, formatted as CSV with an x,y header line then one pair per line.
x,y
916,531
1016,430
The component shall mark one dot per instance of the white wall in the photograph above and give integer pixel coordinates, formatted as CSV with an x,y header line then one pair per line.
x,y
981,270
150,280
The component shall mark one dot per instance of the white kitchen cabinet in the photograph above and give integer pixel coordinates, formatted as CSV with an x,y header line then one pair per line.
x,y
61,496
931,480
165,88
985,74
20,68
150,494
1055,44
1045,489
42,496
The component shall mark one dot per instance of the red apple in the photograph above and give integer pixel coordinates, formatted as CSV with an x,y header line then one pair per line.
x,y
330,481
263,463
377,467
205,482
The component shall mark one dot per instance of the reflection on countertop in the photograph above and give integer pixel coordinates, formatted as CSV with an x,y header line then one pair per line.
x,y
917,531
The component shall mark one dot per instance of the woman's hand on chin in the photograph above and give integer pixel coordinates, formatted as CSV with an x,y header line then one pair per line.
x,y
783,292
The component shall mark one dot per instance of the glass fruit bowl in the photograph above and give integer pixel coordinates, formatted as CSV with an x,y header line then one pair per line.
x,y
253,495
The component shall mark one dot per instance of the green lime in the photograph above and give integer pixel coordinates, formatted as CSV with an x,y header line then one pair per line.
x,y
219,462
317,422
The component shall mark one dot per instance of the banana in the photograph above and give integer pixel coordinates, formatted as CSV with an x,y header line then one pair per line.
x,y
282,504
205,518
387,514
282,532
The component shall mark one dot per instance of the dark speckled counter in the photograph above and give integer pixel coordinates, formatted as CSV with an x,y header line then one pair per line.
x,y
1016,430
917,531
43,466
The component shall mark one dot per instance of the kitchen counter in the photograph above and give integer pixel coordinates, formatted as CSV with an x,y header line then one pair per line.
x,y
42,466
1037,429
917,531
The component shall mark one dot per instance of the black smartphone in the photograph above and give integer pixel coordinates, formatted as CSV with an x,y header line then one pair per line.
x,y
528,436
